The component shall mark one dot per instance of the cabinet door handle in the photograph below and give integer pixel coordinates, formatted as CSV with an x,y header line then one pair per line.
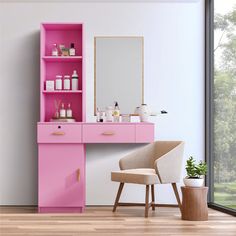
x,y
108,133
58,133
78,175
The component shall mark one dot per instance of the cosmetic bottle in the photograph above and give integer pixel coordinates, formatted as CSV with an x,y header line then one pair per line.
x,y
72,49
68,111
66,84
98,115
62,111
109,114
58,82
116,113
54,50
75,81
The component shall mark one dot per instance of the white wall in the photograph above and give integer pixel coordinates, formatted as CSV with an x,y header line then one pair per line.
x,y
174,80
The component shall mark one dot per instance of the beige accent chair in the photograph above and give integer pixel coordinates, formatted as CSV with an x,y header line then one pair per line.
x,y
157,163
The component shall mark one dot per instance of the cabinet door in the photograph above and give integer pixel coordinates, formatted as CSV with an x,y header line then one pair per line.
x,y
61,175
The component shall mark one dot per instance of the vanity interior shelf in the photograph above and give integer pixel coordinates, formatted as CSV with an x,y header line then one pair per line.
x,y
62,91
62,58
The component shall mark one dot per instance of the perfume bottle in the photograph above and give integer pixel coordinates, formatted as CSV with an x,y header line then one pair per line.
x,y
116,113
62,111
54,50
68,111
72,49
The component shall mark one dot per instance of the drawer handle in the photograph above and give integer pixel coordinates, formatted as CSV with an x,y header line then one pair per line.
x,y
58,133
78,175
108,133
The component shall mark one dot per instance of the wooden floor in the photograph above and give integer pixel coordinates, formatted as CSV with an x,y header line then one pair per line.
x,y
101,221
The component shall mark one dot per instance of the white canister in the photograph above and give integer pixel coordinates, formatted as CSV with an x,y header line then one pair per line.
x,y
49,85
144,113
66,84
58,82
109,114
75,81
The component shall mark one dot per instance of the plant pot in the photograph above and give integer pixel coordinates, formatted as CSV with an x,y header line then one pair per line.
x,y
191,182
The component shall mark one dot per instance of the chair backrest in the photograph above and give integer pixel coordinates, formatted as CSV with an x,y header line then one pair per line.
x,y
146,156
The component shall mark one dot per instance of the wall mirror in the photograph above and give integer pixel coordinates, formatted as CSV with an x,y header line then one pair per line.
x,y
118,72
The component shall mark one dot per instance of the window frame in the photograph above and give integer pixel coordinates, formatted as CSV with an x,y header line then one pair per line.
x,y
209,106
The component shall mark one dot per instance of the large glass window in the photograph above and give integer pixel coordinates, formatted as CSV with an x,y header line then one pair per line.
x,y
224,104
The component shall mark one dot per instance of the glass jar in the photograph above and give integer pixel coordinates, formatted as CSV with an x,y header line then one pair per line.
x,y
109,114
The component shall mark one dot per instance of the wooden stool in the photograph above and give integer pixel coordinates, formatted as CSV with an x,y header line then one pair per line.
x,y
194,203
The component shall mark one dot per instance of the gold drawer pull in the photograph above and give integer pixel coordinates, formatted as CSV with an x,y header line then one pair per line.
x,y
78,175
58,133
108,133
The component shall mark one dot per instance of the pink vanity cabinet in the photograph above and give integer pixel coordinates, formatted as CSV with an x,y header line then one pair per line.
x,y
61,145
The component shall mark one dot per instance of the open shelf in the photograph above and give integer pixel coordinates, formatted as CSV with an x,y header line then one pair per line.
x,y
62,91
62,58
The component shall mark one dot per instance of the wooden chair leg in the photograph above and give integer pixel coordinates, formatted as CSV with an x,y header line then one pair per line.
x,y
153,197
147,201
177,195
118,196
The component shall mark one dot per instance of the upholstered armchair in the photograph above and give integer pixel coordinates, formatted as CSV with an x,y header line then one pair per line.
x,y
157,163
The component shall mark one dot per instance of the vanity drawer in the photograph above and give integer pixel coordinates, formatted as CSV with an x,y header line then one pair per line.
x,y
144,133
59,133
108,133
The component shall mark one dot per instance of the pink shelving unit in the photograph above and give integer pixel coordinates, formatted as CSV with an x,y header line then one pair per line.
x,y
61,154
61,65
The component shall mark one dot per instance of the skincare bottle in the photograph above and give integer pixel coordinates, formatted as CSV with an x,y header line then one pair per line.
x,y
116,113
66,83
72,49
75,81
62,111
54,50
68,111
58,82
98,115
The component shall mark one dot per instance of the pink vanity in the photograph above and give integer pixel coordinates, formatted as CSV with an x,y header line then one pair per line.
x,y
61,145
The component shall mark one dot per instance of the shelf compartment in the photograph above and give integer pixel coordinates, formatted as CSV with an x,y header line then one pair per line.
x,y
62,59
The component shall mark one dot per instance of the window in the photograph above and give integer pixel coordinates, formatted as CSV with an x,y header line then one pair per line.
x,y
221,106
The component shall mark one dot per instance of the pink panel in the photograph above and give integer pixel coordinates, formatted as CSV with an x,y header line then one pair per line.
x,y
59,133
59,184
108,133
144,133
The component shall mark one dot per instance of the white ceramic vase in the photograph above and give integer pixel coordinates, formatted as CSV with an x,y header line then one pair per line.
x,y
144,113
193,182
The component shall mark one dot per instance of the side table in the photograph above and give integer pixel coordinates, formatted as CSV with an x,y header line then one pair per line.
x,y
194,203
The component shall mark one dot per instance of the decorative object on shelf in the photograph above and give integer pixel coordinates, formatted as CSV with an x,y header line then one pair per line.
x,y
62,111
75,81
54,50
116,113
72,49
68,111
195,173
49,85
57,105
66,84
58,82
109,114
125,118
144,113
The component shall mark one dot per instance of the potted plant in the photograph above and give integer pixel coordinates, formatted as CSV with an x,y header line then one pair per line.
x,y
195,173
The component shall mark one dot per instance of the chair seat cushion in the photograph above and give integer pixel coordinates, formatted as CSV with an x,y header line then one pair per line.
x,y
136,176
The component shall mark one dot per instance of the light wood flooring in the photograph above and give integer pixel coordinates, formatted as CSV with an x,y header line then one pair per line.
x,y
101,221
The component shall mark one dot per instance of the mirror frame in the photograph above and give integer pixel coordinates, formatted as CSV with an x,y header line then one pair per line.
x,y
142,76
